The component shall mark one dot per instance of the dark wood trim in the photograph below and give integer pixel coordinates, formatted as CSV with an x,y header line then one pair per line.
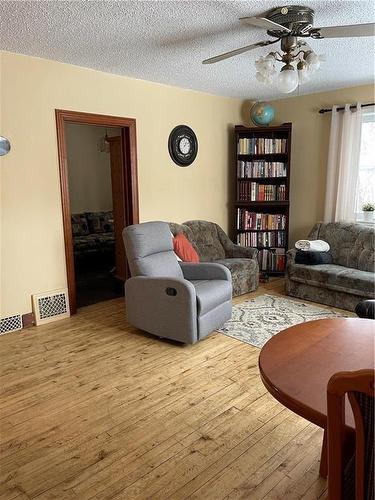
x,y
339,385
128,126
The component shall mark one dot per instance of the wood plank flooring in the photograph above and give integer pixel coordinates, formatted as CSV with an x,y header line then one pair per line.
x,y
92,408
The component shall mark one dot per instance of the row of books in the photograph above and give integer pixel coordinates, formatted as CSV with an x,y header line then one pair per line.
x,y
259,221
272,259
261,169
261,145
263,239
253,191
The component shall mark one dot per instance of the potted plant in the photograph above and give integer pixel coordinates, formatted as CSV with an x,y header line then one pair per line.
x,y
368,211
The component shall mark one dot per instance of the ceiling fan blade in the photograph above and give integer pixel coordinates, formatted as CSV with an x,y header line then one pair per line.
x,y
236,52
262,22
352,30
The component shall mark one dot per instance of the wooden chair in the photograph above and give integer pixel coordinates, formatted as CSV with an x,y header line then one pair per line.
x,y
352,479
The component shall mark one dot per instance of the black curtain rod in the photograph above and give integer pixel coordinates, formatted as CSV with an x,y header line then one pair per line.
x,y
353,106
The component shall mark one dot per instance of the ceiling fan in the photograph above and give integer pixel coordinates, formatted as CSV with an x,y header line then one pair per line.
x,y
291,25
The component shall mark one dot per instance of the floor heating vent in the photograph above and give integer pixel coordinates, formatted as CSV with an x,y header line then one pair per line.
x,y
51,306
11,324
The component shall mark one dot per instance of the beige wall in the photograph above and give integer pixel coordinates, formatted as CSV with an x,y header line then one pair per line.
x,y
89,168
310,138
32,256
32,245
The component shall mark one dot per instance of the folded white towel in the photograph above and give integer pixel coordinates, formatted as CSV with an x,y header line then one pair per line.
x,y
312,246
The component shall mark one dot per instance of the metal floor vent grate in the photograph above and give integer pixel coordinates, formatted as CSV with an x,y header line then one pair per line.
x,y
11,324
51,306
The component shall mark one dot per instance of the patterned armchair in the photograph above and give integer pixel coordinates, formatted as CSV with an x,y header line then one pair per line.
x,y
351,479
213,245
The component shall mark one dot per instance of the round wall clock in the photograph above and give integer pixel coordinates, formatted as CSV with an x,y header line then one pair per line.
x,y
183,145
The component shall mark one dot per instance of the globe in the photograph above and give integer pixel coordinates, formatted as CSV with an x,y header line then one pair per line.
x,y
262,113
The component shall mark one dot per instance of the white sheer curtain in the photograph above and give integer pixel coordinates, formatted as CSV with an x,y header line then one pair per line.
x,y
343,164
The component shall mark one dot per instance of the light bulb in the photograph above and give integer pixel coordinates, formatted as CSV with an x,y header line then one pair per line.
x,y
313,61
264,78
265,64
303,72
287,81
303,75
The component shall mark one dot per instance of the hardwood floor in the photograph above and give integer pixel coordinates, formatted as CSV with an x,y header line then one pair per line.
x,y
93,408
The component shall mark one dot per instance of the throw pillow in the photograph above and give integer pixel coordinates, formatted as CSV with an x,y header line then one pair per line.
x,y
177,257
184,249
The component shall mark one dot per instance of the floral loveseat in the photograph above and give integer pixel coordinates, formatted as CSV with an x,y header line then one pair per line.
x,y
345,282
92,233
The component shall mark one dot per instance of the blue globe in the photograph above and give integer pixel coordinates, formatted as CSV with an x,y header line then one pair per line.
x,y
262,113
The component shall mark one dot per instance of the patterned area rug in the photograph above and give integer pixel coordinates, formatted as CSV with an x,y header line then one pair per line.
x,y
257,320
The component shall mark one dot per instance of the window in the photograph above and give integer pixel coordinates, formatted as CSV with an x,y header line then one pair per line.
x,y
366,176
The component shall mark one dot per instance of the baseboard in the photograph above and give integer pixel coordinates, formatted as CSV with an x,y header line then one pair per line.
x,y
16,323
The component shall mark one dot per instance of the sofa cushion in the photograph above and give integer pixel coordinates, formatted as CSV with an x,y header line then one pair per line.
x,y
211,294
334,277
206,239
352,245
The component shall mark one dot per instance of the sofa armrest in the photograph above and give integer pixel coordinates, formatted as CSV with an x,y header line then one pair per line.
x,y
205,271
291,255
163,306
239,252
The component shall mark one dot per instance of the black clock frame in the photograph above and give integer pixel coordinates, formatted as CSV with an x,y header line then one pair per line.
x,y
178,133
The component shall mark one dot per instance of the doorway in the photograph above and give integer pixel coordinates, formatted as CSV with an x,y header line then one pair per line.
x,y
99,190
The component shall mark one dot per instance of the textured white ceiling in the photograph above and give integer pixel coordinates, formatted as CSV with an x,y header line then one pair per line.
x,y
165,41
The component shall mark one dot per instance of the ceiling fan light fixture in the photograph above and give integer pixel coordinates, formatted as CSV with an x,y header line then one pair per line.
x,y
291,25
287,80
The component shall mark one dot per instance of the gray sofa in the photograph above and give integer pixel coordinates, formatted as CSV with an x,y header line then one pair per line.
x,y
178,301
213,245
348,280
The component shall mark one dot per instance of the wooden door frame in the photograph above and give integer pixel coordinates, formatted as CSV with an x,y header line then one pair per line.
x,y
128,125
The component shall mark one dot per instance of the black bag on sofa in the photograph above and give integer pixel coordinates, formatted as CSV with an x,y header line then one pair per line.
x,y
313,258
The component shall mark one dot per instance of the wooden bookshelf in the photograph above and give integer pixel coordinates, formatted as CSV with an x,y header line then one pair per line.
x,y
262,193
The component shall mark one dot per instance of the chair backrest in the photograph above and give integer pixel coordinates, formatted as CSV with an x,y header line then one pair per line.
x,y
149,250
352,245
355,478
206,239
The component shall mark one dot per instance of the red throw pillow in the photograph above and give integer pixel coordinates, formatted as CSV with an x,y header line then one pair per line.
x,y
184,249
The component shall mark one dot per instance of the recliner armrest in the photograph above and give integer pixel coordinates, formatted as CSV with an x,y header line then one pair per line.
x,y
163,306
205,271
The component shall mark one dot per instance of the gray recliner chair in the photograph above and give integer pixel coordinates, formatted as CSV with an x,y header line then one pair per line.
x,y
175,300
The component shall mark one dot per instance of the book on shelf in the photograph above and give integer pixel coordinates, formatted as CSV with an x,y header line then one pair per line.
x,y
246,169
259,221
254,191
261,145
272,259
262,239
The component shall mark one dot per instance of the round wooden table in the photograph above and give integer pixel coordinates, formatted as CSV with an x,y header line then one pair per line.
x,y
297,363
